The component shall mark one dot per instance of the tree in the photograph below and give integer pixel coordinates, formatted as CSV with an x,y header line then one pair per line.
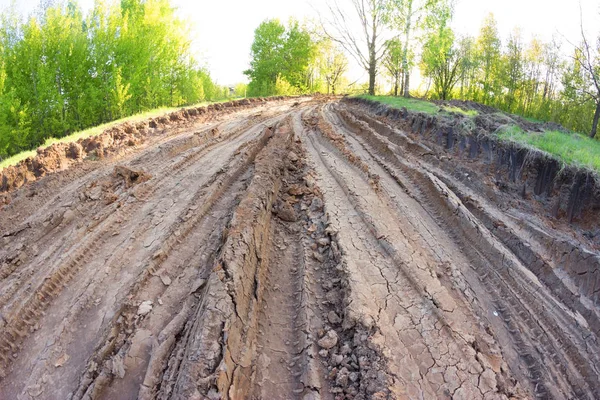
x,y
488,53
533,70
513,70
61,71
587,83
366,45
299,50
332,64
279,54
440,61
408,16
469,66
553,65
392,62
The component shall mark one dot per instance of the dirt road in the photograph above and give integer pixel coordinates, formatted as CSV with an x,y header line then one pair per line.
x,y
299,249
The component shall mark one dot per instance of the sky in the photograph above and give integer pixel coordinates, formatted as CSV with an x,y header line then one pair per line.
x,y
223,29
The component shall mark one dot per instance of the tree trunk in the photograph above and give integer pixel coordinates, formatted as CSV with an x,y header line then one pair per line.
x,y
406,92
596,118
372,73
406,85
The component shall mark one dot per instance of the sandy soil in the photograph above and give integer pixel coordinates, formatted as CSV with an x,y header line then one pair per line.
x,y
295,249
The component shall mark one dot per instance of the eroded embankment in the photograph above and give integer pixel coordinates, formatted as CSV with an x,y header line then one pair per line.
x,y
565,192
113,141
531,186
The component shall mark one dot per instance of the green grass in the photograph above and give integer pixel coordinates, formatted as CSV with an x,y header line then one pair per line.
x,y
418,105
458,110
534,120
97,130
410,104
571,148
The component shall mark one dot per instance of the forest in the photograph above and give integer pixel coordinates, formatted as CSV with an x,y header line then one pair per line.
x,y
390,39
62,71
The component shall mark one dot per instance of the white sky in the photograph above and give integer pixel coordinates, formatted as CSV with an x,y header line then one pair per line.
x,y
224,29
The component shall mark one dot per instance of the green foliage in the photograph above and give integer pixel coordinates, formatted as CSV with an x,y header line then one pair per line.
x,y
440,59
488,53
241,90
62,71
571,148
410,17
332,64
393,63
409,104
280,59
530,79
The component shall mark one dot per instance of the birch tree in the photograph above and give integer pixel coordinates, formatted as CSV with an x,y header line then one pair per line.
x,y
359,27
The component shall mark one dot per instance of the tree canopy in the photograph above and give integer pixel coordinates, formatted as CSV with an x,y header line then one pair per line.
x,y
62,71
280,55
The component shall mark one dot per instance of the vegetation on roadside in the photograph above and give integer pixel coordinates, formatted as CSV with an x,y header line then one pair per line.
x,y
413,104
533,79
294,60
569,147
62,71
409,104
86,133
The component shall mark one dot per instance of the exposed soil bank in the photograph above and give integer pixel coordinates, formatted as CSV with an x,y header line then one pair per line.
x,y
115,140
567,192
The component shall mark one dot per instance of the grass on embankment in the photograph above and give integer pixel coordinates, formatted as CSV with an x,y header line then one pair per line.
x,y
410,104
94,131
568,147
417,105
571,148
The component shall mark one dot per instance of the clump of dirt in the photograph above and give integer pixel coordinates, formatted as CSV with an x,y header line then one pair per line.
x,y
130,176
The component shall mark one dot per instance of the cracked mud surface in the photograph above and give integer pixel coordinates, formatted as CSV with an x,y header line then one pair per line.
x,y
289,250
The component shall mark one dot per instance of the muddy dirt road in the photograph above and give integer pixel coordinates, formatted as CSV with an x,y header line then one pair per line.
x,y
297,249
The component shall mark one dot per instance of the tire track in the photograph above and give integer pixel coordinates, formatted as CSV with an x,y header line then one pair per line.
x,y
16,330
435,329
545,336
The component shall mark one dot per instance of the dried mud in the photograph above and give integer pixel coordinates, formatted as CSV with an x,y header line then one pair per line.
x,y
292,249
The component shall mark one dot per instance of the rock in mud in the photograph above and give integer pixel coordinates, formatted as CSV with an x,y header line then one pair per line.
x,y
118,366
293,157
316,204
145,308
342,377
165,280
323,242
337,359
285,212
329,340
333,317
